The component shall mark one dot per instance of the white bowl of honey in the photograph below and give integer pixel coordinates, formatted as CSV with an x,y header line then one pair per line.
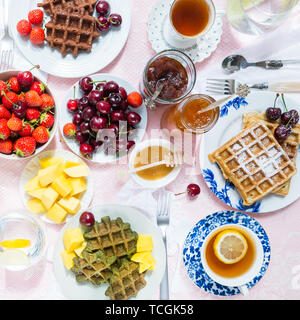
x,y
150,151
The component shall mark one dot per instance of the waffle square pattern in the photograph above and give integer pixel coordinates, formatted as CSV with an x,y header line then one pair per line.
x,y
50,6
254,162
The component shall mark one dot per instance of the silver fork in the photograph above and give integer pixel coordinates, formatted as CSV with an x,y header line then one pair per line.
x,y
229,86
7,43
163,219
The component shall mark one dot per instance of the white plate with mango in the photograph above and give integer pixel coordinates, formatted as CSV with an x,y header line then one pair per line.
x,y
56,184
150,253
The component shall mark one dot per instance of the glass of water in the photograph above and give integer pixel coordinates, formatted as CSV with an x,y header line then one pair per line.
x,y
258,16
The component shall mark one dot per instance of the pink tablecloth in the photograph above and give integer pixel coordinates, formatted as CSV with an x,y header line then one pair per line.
x,y
280,280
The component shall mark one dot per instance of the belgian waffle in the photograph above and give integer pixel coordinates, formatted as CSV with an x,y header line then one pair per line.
x,y
50,6
126,282
289,145
69,31
93,267
254,162
113,237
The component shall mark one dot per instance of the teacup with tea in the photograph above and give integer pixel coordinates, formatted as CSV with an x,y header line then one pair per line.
x,y
232,255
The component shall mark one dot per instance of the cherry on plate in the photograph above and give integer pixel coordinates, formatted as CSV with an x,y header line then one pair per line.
x,y
87,219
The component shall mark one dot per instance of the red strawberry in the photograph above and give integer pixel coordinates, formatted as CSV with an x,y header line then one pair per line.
x,y
6,146
36,16
21,97
13,84
32,114
3,87
26,130
38,87
33,99
69,129
47,120
37,36
41,134
9,99
25,146
4,113
24,27
134,99
4,130
15,124
48,102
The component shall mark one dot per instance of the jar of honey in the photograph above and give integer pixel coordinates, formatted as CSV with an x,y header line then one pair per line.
x,y
188,116
174,71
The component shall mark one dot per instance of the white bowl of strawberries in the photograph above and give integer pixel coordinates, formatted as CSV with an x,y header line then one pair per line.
x,y
28,115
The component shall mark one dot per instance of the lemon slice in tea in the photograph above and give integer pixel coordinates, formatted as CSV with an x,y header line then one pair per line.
x,y
13,257
230,246
14,244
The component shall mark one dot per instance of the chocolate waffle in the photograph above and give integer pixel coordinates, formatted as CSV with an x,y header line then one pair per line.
x,y
93,267
113,237
126,282
289,145
69,31
50,6
254,162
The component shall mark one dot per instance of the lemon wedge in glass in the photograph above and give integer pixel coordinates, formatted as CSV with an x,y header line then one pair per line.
x,y
13,257
14,244
230,246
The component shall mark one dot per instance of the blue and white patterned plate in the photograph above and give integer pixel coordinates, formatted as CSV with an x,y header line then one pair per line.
x,y
230,124
194,241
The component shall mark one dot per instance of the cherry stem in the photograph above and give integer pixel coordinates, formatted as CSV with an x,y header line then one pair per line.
x,y
34,67
287,125
282,96
3,92
277,95
74,92
178,194
97,81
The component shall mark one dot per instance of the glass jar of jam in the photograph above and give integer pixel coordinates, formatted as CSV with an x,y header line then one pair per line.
x,y
171,70
187,115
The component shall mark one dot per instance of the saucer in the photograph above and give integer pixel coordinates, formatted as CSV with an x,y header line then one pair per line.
x,y
200,49
194,241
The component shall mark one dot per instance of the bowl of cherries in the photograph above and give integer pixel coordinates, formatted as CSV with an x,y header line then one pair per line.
x,y
286,120
28,115
103,117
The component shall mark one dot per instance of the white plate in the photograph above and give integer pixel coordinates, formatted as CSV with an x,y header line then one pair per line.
x,y
139,223
32,168
158,34
66,116
229,125
105,49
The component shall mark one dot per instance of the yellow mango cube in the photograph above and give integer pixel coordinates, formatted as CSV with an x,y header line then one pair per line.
x,y
36,206
49,197
48,162
144,243
78,185
37,193
69,164
73,239
140,256
68,259
62,186
143,267
57,213
32,184
48,175
71,204
79,250
77,171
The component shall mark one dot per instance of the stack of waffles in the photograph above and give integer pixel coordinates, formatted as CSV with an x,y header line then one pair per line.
x,y
106,259
255,162
72,27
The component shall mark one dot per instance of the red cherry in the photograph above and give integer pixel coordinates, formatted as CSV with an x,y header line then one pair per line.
x,y
87,219
72,105
193,190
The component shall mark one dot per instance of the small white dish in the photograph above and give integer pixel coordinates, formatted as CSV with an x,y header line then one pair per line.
x,y
32,168
99,156
197,49
13,73
153,183
105,49
139,223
